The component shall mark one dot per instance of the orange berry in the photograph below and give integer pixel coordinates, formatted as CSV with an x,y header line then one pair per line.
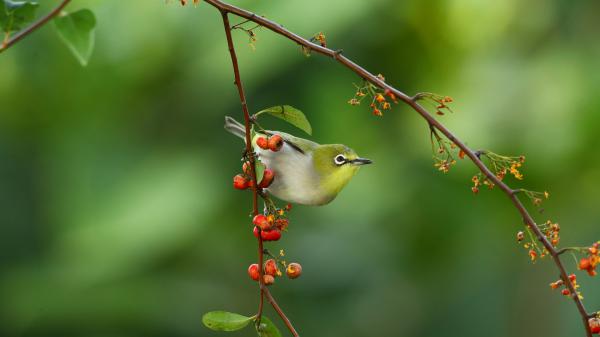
x,y
594,324
585,264
246,167
275,143
294,270
262,142
253,272
240,182
268,235
271,267
268,280
267,178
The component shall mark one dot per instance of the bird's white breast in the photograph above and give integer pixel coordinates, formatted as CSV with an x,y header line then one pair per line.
x,y
296,180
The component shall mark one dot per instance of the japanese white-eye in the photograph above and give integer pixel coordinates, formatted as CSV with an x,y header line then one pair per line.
x,y
306,173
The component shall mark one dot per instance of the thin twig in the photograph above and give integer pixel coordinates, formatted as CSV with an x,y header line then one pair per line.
x,y
473,155
42,21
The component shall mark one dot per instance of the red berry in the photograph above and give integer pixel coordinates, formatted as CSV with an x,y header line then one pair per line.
x,y
262,142
267,178
240,182
271,267
565,292
572,277
261,221
293,270
594,324
269,235
272,235
253,272
268,280
275,143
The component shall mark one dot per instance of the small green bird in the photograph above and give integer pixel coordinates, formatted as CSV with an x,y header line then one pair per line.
x,y
306,173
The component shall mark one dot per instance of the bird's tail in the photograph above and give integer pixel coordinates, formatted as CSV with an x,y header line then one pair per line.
x,y
235,127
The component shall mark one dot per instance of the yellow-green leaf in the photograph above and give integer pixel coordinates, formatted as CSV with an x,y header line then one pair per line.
x,y
289,114
15,14
225,321
77,32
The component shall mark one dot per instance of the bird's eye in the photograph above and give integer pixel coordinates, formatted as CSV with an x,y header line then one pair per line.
x,y
339,159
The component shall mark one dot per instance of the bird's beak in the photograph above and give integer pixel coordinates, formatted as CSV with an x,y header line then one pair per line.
x,y
361,161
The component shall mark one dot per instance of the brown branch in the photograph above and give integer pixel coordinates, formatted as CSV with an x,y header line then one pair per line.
x,y
474,156
255,189
34,26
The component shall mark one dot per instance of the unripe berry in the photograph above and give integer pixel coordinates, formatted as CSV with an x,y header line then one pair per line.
x,y
275,143
240,182
271,267
261,221
253,272
267,178
293,270
262,142
268,280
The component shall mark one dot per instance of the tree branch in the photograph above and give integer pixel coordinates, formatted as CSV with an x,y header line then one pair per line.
x,y
474,156
255,189
42,21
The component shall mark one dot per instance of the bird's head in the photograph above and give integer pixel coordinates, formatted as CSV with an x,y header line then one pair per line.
x,y
336,164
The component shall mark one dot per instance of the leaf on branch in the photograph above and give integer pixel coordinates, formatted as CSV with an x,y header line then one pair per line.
x,y
15,14
77,32
267,328
225,321
260,170
291,115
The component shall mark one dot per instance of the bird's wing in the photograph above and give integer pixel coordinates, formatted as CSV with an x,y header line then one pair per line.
x,y
301,145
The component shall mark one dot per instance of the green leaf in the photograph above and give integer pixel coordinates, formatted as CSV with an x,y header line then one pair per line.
x,y
225,321
267,328
291,115
15,14
77,32
260,170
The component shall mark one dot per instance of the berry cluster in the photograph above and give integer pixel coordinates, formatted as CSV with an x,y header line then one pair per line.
x,y
273,143
244,180
590,262
271,225
560,283
270,271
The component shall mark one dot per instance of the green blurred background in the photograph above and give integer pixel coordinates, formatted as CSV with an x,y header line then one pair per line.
x,y
118,216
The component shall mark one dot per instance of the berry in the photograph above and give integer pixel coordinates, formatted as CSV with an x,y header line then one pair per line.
x,y
268,280
275,143
594,324
253,272
585,264
262,142
293,270
267,178
240,182
272,235
269,235
271,267
572,277
566,292
261,221
246,167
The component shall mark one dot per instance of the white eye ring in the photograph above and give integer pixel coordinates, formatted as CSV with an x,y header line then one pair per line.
x,y
339,159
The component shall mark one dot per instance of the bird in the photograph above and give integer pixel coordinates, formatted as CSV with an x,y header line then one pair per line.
x,y
306,173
